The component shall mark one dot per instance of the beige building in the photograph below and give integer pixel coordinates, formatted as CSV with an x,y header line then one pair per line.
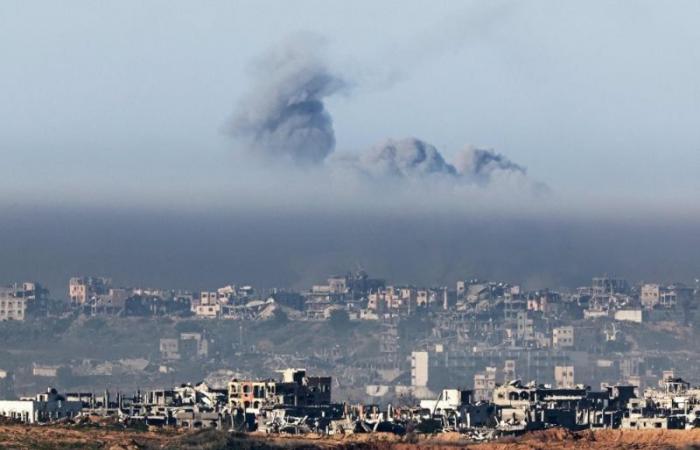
x,y
645,423
81,289
484,384
525,327
563,337
564,377
394,298
509,373
170,349
419,369
295,389
12,308
246,394
649,295
211,311
338,285
208,305
629,315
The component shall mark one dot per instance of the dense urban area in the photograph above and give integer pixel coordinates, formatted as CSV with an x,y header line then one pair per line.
x,y
354,355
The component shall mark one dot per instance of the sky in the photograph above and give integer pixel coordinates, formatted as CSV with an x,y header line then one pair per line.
x,y
128,106
133,98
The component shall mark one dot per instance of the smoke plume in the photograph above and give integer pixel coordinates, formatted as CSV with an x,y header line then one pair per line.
x,y
284,119
405,158
482,165
414,159
284,116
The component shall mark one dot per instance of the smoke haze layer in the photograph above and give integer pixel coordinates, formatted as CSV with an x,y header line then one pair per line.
x,y
269,248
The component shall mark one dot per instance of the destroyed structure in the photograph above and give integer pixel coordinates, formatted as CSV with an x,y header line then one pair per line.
x,y
297,404
443,357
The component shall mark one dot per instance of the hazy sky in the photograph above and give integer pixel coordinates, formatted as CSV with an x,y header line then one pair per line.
x,y
128,100
117,156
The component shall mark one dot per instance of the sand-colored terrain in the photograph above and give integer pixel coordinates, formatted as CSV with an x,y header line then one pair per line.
x,y
67,437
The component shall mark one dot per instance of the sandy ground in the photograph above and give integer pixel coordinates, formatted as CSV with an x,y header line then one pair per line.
x,y
66,437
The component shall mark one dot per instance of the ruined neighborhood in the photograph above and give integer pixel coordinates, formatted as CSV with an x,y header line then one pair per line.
x,y
482,358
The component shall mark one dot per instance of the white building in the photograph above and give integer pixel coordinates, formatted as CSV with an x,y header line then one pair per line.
x,y
43,408
45,370
629,315
450,399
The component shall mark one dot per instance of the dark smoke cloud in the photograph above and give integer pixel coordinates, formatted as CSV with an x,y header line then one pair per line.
x,y
284,118
284,115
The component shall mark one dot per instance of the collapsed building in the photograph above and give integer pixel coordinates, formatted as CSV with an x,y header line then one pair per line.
x,y
294,389
298,404
532,406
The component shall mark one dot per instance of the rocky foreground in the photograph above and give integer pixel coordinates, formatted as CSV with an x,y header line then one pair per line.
x,y
71,437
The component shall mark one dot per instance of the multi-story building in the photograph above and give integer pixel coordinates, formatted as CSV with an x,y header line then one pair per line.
x,y
419,369
295,389
509,372
245,394
12,308
19,299
564,377
82,289
563,337
194,344
208,306
656,296
512,305
649,295
676,295
29,290
543,301
525,328
484,384
190,345
338,285
608,285
170,349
